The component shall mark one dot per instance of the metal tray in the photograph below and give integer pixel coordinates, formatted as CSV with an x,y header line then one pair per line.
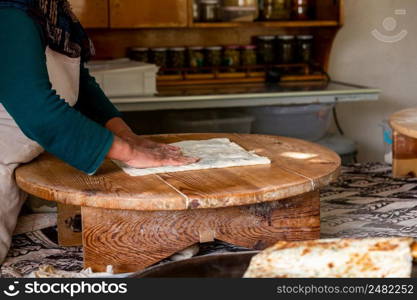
x,y
226,265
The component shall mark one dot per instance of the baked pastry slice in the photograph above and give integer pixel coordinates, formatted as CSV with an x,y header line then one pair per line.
x,y
345,258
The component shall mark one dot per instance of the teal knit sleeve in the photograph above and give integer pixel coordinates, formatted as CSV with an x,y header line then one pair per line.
x,y
92,102
27,95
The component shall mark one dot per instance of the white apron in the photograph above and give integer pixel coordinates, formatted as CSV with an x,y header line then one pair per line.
x,y
16,148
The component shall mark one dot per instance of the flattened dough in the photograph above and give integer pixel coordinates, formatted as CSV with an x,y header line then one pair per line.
x,y
213,153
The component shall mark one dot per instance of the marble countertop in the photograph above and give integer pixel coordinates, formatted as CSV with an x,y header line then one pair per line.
x,y
245,95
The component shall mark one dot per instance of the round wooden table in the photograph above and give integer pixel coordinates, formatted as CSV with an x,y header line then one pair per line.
x,y
404,147
134,222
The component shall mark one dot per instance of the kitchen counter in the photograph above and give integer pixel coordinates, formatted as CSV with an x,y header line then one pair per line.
x,y
245,95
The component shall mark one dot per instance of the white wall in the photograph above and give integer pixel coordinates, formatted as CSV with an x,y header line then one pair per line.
x,y
358,57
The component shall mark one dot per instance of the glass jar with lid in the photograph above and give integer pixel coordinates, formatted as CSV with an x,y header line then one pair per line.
x,y
195,57
240,10
213,56
158,56
302,9
196,11
248,55
266,51
305,48
285,49
210,10
276,10
176,58
231,57
139,54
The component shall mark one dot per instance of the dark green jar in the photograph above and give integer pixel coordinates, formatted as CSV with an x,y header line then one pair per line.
x,y
139,54
195,57
248,55
158,56
305,48
231,57
176,58
285,47
213,56
266,51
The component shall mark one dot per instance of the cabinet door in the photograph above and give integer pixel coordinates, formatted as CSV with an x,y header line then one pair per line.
x,y
92,13
148,13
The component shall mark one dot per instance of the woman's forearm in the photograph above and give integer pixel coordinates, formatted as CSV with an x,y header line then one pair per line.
x,y
92,102
118,127
120,150
25,87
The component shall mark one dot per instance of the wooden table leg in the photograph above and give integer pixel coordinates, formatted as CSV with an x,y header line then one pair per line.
x,y
261,225
69,225
133,240
404,156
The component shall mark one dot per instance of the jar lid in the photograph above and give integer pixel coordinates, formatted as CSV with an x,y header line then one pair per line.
x,y
232,47
249,47
177,49
214,48
210,1
305,37
286,37
266,37
139,49
159,49
195,48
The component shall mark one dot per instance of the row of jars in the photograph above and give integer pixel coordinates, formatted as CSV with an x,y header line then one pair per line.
x,y
196,57
250,10
276,10
285,49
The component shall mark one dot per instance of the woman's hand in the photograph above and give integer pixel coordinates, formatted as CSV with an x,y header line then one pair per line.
x,y
142,157
122,130
138,152
137,140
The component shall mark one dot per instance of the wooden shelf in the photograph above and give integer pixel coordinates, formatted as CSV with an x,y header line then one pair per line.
x,y
164,82
316,23
273,24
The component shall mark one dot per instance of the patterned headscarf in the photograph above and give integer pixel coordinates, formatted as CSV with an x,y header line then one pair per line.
x,y
63,31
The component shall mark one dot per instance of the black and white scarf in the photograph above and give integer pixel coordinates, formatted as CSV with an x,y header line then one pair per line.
x,y
63,31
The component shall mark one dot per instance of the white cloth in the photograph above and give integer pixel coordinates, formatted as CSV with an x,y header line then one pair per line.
x,y
50,272
16,148
213,153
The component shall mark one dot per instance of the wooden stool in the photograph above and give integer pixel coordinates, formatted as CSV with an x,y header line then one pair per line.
x,y
134,222
404,148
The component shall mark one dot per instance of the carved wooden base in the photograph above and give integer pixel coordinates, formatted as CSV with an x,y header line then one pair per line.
x,y
69,225
404,161
132,240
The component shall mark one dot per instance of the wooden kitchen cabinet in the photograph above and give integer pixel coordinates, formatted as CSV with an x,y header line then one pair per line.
x,y
148,13
92,13
155,24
